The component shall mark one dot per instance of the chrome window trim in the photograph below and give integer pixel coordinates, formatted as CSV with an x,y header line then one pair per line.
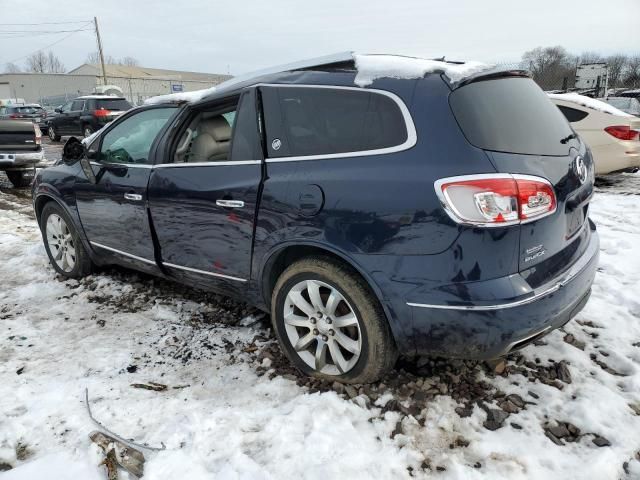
x,y
128,165
207,164
457,217
412,136
203,272
571,273
115,250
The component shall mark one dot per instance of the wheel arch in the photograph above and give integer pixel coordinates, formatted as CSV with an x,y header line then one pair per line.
x,y
277,260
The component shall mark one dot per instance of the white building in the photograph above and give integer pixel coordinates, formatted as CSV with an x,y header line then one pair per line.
x,y
136,83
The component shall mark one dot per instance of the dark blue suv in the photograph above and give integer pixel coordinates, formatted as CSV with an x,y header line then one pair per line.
x,y
416,214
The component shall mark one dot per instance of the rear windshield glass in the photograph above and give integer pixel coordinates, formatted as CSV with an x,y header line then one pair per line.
x,y
510,115
119,104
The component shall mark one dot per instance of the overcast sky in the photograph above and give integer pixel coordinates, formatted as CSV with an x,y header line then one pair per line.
x,y
240,35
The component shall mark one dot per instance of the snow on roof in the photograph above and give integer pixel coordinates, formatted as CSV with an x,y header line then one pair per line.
x,y
589,103
371,67
189,97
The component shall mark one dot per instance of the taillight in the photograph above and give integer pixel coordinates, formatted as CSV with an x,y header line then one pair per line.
x,y
13,115
495,200
38,134
101,112
622,132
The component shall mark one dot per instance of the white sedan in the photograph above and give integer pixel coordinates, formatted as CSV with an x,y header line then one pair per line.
x,y
612,134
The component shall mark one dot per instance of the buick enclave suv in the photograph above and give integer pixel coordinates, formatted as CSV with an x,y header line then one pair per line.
x,y
419,212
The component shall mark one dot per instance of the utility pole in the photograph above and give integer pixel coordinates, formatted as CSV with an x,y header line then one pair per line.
x,y
104,73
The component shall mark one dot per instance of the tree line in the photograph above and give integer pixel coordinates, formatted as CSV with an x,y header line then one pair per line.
x,y
41,62
555,68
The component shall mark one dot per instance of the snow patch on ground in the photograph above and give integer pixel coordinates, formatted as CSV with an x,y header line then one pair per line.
x,y
372,67
589,103
220,419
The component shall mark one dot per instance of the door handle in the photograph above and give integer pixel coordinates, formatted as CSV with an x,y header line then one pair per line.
x,y
230,203
133,196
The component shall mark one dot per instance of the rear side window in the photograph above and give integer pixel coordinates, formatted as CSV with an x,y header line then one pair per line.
x,y
304,121
572,114
117,104
510,115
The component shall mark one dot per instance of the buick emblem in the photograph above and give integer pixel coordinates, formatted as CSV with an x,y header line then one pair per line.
x,y
580,169
276,144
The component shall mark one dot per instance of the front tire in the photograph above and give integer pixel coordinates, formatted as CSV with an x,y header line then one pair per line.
x,y
87,131
329,323
64,248
21,178
53,134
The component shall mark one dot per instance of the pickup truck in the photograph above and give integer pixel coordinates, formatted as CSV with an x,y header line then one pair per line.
x,y
20,151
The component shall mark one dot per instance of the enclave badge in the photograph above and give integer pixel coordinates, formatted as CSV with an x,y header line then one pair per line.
x,y
580,169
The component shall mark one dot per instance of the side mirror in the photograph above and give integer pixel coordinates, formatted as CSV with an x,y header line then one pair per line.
x,y
73,150
58,110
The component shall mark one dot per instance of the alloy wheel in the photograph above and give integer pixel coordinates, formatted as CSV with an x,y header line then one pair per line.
x,y
52,133
322,327
60,243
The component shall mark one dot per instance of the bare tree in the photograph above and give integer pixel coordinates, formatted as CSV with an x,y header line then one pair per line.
x,y
632,72
94,58
54,64
616,64
129,62
551,67
590,57
11,68
37,62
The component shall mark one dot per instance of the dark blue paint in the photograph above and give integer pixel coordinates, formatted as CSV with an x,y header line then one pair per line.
x,y
379,213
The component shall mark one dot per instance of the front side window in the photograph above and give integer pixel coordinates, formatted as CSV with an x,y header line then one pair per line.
x,y
306,121
130,140
66,107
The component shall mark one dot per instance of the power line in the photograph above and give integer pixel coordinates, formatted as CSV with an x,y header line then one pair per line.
x,y
45,23
47,46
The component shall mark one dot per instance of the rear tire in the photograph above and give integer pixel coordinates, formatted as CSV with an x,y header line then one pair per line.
x,y
341,332
64,248
21,178
53,135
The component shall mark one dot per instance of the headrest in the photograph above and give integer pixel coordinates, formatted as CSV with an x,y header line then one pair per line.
x,y
217,127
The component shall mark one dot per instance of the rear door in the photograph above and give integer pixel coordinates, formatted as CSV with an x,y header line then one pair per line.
x,y
204,209
523,132
73,118
62,121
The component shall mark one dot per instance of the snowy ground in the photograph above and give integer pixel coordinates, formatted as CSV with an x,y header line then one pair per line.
x,y
234,409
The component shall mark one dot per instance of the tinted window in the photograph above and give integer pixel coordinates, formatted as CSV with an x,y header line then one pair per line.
x,y
572,114
130,140
245,143
77,105
117,104
510,115
321,121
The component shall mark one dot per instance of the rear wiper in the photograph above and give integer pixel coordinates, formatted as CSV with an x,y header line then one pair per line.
x,y
568,137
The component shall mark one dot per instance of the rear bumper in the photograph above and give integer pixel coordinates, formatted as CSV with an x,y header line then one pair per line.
x,y
512,316
22,160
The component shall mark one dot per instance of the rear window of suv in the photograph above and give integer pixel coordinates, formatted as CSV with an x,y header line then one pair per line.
x,y
115,104
305,121
510,115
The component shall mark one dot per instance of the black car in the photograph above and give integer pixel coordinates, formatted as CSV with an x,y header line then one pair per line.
x,y
85,115
408,213
30,111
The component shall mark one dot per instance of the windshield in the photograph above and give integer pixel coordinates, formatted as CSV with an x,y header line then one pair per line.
x,y
28,110
510,115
